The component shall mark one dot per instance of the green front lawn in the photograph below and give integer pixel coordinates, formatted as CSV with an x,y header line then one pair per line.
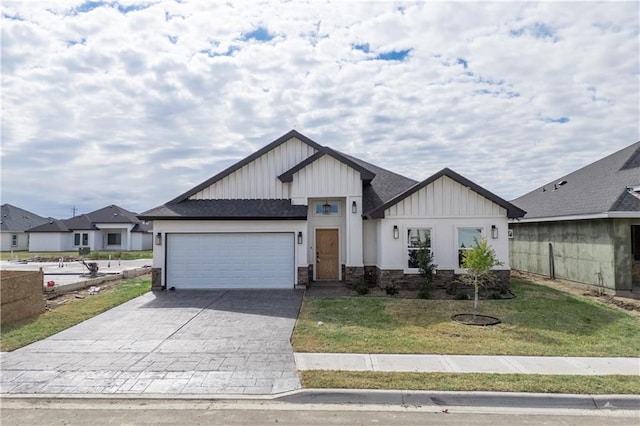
x,y
471,382
539,321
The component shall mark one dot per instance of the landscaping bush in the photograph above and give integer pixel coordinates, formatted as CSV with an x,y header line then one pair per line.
x,y
391,290
362,289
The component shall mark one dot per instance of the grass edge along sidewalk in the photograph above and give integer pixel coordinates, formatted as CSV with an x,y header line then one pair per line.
x,y
48,323
545,316
472,382
539,321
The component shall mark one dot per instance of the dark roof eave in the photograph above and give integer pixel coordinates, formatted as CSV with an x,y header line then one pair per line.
x,y
223,217
365,175
513,212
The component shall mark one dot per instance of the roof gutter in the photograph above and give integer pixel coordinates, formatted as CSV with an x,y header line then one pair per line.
x,y
605,215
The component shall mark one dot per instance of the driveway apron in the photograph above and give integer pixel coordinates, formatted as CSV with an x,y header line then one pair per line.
x,y
183,342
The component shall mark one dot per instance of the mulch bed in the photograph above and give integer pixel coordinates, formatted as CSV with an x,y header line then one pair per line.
x,y
480,320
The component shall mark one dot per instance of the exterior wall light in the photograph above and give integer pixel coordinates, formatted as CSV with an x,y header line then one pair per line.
x,y
354,207
299,237
396,232
158,239
494,232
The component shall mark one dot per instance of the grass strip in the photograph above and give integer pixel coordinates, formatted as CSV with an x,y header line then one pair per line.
x,y
533,383
19,334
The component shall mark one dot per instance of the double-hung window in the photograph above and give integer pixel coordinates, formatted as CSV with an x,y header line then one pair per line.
x,y
417,238
80,239
467,238
14,240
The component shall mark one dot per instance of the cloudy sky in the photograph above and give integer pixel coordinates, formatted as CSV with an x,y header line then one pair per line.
x,y
133,103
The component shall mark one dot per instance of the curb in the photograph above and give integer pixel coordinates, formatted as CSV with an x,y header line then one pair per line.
x,y
385,397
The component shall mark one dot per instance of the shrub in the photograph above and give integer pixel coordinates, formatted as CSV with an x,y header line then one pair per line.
x,y
362,289
461,295
391,290
427,269
495,295
424,292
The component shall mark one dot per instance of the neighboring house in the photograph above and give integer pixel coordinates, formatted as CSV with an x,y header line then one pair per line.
x,y
584,226
109,228
14,221
296,211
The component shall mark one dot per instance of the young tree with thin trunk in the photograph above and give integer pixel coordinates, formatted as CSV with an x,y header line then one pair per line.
x,y
479,262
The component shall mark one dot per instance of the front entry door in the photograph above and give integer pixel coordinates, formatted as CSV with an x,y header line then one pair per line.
x,y
327,254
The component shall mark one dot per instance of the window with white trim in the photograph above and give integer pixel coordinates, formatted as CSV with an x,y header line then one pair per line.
x,y
14,240
114,239
80,239
416,239
467,238
328,208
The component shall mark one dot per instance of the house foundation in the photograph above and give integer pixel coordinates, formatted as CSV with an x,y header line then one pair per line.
x,y
443,279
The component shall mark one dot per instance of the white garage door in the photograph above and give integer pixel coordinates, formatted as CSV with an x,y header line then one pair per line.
x,y
256,260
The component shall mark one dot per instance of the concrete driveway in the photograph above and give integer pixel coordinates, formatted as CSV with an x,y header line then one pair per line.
x,y
183,342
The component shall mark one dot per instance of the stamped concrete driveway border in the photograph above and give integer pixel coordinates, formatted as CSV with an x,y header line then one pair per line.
x,y
183,342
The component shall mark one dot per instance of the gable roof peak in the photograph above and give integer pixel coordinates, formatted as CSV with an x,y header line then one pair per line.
x,y
365,174
512,210
293,133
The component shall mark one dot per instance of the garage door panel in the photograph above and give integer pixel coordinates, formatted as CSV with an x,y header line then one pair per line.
x,y
260,260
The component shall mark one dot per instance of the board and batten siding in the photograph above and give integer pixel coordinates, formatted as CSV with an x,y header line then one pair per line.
x,y
445,198
259,178
326,177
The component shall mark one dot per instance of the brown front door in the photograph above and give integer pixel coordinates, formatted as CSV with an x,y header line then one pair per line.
x,y
327,254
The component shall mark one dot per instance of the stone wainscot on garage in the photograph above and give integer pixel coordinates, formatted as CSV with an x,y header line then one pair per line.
x,y
296,211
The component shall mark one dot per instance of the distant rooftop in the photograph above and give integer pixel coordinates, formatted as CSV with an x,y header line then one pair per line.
x,y
609,185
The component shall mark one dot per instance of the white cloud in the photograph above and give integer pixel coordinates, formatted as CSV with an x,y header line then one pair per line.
x,y
101,106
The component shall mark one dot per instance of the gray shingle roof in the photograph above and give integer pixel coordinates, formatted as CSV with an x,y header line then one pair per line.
x,y
228,209
600,187
512,211
54,225
384,186
15,219
379,187
112,214
88,221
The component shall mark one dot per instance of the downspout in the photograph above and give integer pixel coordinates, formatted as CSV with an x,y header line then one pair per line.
x,y
552,269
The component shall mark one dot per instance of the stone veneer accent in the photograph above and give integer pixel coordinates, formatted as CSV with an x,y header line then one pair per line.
x,y
353,275
444,279
303,275
156,280
370,275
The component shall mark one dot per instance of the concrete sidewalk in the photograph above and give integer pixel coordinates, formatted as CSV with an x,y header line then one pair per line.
x,y
502,364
